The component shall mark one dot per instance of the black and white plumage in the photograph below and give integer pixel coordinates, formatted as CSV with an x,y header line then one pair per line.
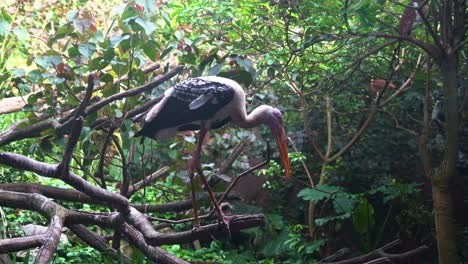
x,y
186,105
205,103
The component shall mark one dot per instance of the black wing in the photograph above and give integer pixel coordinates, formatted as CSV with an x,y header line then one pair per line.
x,y
192,100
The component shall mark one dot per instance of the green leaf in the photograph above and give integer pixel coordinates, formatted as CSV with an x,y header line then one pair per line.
x,y
102,61
343,203
325,220
129,14
147,26
115,40
277,245
21,33
276,221
4,27
165,52
47,61
216,69
87,49
151,50
318,193
149,6
310,249
73,52
363,217
240,76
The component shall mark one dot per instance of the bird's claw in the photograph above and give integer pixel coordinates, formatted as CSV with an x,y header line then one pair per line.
x,y
195,228
226,220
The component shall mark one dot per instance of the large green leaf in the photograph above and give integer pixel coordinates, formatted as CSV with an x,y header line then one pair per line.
x,y
363,217
318,193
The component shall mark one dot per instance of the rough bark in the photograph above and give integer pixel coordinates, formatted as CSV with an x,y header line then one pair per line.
x,y
442,181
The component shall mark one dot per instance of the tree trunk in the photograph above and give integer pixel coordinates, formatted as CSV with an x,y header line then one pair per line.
x,y
442,181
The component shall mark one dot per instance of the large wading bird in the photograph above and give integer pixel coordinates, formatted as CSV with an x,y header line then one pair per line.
x,y
205,103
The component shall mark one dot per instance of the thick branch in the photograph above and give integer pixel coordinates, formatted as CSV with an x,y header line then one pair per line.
x,y
47,170
13,134
94,240
153,253
50,192
179,206
46,252
21,243
207,232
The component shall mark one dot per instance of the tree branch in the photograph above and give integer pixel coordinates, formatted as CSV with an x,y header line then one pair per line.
x,y
147,180
47,170
153,253
207,232
46,252
96,241
21,243
378,255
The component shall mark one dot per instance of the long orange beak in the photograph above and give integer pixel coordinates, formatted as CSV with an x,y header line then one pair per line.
x,y
283,150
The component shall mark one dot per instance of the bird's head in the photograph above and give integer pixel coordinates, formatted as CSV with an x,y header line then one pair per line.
x,y
275,123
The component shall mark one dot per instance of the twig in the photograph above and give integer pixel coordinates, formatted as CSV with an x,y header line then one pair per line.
x,y
379,255
148,180
311,180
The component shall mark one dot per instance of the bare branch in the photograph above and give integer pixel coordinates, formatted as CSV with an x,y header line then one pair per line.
x,y
153,253
96,241
179,206
207,232
14,134
47,170
63,169
147,180
46,252
378,255
21,243
50,192
337,255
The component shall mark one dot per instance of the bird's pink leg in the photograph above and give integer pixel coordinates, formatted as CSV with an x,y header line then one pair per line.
x,y
194,200
197,165
194,164
226,219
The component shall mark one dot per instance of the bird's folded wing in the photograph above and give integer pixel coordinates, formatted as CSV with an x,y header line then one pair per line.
x,y
200,101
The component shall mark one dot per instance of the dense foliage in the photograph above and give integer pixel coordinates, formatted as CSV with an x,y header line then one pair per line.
x,y
358,168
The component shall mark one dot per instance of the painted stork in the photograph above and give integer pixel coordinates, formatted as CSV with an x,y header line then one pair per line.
x,y
205,103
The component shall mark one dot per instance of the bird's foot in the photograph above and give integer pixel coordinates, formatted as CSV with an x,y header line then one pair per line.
x,y
226,220
195,228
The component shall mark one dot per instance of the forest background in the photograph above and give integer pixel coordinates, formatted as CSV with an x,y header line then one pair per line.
x,y
376,119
